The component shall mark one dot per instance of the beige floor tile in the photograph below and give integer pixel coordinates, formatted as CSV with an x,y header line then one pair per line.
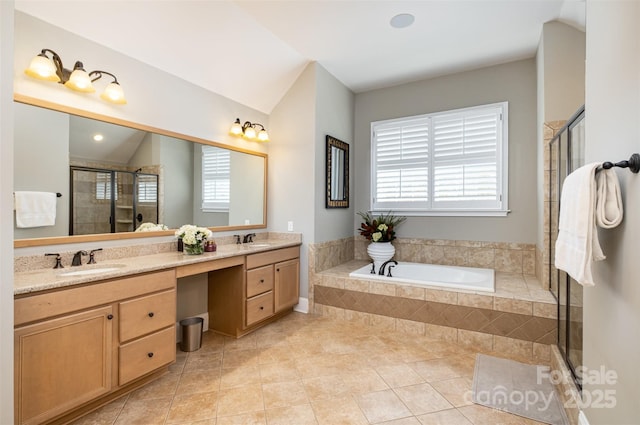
x,y
240,376
306,369
193,407
298,415
199,381
399,375
254,418
381,406
444,417
342,411
279,372
457,391
364,380
144,412
244,399
422,398
283,394
325,387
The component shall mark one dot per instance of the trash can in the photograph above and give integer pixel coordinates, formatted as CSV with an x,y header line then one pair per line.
x,y
191,333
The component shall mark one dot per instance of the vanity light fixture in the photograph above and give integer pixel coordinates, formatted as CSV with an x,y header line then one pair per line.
x,y
248,131
51,69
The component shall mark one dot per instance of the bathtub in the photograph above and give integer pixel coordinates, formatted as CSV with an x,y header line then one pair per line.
x,y
431,275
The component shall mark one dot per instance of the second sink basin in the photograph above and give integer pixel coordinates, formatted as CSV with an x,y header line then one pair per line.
x,y
93,270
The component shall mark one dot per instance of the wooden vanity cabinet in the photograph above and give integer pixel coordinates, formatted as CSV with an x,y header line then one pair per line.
x,y
266,291
78,347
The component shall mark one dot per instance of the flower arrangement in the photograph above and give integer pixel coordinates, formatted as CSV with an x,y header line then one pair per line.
x,y
151,227
379,228
193,235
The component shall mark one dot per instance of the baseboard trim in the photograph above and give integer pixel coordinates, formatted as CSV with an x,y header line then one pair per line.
x,y
205,326
582,419
302,306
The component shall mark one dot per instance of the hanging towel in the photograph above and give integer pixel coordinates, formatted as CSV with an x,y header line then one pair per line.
x,y
586,199
35,209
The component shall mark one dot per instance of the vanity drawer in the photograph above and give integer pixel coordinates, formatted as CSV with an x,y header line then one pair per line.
x,y
144,315
259,308
146,354
259,280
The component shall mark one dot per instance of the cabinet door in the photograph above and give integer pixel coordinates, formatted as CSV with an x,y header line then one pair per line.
x,y
287,284
62,363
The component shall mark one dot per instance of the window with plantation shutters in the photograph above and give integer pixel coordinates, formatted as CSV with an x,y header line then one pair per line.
x,y
216,170
147,188
446,163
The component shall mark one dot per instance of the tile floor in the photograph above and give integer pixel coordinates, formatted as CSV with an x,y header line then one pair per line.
x,y
306,369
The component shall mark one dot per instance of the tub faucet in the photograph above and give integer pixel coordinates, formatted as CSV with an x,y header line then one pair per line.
x,y
381,271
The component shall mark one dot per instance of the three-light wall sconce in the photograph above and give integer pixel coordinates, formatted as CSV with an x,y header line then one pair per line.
x,y
51,69
249,131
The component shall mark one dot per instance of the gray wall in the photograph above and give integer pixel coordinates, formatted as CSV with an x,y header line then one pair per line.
x,y
247,189
612,307
41,138
335,117
6,211
514,82
292,182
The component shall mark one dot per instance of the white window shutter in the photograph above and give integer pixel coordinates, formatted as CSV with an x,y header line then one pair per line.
x,y
216,171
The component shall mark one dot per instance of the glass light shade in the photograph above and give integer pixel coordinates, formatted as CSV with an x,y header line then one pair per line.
x,y
42,68
80,81
250,133
113,93
263,136
236,128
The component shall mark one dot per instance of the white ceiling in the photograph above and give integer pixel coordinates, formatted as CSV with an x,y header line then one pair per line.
x,y
252,51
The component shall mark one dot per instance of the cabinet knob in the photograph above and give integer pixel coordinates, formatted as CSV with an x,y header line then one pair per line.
x,y
277,270
150,355
261,308
151,314
110,316
261,280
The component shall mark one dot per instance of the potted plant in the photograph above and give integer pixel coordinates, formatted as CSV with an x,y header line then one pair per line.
x,y
380,230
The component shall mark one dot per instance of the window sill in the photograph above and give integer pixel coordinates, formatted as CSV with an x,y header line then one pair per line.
x,y
447,213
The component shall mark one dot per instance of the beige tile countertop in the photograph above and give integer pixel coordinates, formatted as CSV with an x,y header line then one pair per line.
x,y
46,279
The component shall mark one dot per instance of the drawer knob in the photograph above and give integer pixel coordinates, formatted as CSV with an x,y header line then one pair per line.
x,y
150,355
151,314
261,280
261,308
110,316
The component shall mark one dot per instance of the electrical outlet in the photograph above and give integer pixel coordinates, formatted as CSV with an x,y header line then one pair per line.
x,y
290,226
247,222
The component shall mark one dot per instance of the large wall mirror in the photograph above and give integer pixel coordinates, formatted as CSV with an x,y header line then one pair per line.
x,y
134,174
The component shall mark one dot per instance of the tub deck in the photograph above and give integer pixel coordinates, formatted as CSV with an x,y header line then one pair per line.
x,y
520,317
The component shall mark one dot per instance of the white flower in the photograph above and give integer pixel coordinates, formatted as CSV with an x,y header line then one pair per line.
x,y
192,235
383,227
376,236
151,227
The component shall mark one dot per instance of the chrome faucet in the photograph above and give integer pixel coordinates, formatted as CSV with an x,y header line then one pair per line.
x,y
381,271
77,258
248,237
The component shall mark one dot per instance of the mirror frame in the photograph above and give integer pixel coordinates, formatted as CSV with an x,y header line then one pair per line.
x,y
54,240
337,203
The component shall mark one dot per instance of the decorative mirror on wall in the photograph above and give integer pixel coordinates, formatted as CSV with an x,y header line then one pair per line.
x,y
337,173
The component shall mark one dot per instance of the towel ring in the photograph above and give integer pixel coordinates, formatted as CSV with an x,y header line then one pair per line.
x,y
633,164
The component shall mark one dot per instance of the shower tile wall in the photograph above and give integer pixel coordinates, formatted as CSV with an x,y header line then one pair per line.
x,y
92,215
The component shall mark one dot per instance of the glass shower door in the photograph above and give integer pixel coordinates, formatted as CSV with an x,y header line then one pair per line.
x,y
90,202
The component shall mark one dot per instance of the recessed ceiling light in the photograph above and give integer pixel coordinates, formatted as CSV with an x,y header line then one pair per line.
x,y
402,20
98,137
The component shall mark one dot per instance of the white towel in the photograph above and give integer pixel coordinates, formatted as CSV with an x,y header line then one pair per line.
x,y
586,199
35,209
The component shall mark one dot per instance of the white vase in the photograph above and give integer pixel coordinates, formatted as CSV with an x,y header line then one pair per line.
x,y
380,252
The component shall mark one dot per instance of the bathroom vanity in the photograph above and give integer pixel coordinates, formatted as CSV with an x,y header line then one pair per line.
x,y
83,339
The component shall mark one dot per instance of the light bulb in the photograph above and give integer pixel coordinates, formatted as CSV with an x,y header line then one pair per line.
x,y
236,128
250,133
80,80
263,136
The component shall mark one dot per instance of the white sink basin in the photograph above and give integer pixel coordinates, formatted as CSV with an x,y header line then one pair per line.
x,y
95,270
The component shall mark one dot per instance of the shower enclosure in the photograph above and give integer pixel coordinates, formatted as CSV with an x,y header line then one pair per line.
x,y
111,201
566,155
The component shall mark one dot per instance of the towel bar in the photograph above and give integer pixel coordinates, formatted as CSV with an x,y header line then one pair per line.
x,y
633,164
